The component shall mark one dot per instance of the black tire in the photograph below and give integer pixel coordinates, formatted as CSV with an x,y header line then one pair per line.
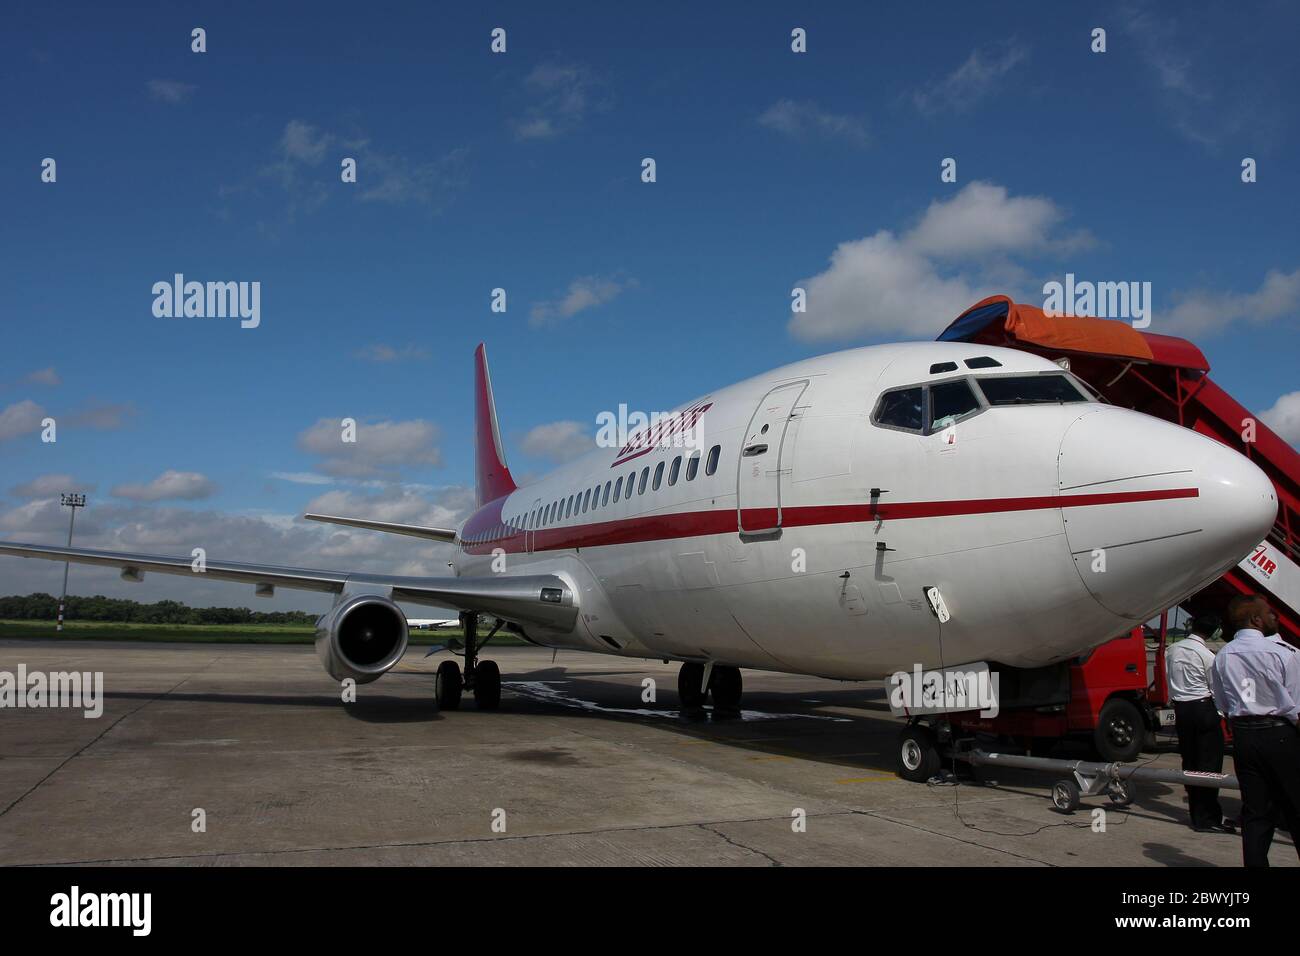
x,y
918,756
487,685
1121,793
690,685
1120,731
726,687
447,686
1065,796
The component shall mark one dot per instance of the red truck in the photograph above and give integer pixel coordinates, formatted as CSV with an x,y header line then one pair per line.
x,y
1105,696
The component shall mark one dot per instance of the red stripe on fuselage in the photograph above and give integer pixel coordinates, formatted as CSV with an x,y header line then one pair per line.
x,y
690,524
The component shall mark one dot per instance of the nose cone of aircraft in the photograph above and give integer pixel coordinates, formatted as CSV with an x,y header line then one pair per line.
x,y
1153,511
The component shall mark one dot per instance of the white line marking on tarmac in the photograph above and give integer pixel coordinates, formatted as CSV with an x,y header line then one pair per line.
x,y
541,690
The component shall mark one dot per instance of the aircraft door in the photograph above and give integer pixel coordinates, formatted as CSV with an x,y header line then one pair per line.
x,y
764,467
530,535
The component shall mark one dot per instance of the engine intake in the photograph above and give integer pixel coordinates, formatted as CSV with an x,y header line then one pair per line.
x,y
362,638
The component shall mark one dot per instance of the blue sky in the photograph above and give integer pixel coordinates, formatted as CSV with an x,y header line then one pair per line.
x,y
522,171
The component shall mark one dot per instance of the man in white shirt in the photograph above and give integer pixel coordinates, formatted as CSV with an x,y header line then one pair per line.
x,y
1200,732
1256,682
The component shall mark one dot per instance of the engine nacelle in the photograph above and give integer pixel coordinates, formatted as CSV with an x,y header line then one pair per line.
x,y
361,638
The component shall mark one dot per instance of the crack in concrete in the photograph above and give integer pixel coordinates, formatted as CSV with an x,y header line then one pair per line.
x,y
771,859
94,740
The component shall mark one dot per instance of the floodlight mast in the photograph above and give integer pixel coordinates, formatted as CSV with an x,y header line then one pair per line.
x,y
72,501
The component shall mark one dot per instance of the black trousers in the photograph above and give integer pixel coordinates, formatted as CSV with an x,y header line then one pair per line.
x,y
1268,769
1200,744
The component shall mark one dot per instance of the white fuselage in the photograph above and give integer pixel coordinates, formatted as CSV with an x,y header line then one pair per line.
x,y
1047,528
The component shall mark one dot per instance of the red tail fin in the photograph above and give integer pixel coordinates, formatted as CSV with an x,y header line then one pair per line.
x,y
492,478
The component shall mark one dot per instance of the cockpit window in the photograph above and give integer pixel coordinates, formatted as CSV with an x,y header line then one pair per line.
x,y
1030,390
901,409
949,402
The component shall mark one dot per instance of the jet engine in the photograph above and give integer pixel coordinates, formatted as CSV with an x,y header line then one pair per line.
x,y
361,638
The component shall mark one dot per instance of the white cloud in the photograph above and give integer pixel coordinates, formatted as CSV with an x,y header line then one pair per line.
x,y
303,477
558,441
395,179
971,82
982,220
1202,312
1204,103
304,143
585,292
378,446
919,281
563,95
49,486
185,485
300,167
44,376
805,119
104,416
280,539
1284,417
20,418
170,91
379,352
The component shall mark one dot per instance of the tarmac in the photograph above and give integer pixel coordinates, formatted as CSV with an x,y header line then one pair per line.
x,y
210,754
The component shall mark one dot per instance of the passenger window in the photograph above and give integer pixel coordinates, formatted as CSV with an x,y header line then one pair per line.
x,y
674,471
645,474
901,409
712,464
586,500
659,475
605,500
631,483
692,466
618,489
950,402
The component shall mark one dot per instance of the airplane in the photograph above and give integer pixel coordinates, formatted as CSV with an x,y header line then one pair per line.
x,y
849,516
431,623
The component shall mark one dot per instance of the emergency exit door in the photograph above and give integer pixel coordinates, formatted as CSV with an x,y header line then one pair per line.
x,y
764,472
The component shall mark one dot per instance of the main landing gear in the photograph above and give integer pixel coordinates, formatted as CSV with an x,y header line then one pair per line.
x,y
482,678
724,684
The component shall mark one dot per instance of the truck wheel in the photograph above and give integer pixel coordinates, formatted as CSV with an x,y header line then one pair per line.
x,y
918,757
1120,731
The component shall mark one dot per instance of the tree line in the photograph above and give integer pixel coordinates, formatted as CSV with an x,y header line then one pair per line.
x,y
45,607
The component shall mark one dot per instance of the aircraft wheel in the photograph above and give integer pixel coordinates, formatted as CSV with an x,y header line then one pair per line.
x,y
1120,731
690,685
726,687
1065,796
487,685
447,685
918,756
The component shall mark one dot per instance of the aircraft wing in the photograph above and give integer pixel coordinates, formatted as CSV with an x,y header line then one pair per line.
x,y
544,599
414,530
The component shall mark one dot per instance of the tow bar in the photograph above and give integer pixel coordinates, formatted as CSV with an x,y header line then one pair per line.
x,y
1088,779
